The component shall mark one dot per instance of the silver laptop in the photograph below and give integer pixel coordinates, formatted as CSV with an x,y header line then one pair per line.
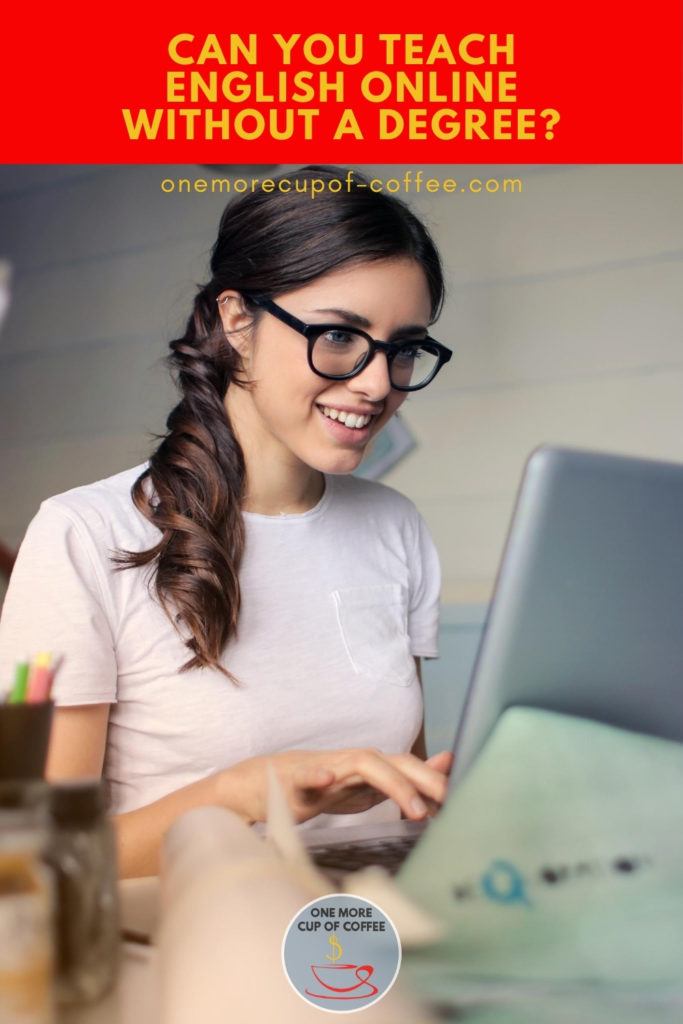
x,y
586,619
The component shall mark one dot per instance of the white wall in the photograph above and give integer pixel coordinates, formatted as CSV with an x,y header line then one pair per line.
x,y
565,310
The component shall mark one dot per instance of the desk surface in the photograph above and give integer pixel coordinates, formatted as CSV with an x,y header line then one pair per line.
x,y
135,997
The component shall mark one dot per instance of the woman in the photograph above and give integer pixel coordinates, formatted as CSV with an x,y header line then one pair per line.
x,y
241,598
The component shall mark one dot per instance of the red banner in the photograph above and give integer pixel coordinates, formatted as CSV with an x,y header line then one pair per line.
x,y
491,84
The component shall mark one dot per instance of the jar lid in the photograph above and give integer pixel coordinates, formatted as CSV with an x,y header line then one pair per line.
x,y
23,810
22,794
74,803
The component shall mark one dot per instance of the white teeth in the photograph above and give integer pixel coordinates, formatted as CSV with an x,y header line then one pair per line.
x,y
349,419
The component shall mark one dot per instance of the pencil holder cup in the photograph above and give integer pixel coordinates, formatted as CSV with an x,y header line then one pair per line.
x,y
24,739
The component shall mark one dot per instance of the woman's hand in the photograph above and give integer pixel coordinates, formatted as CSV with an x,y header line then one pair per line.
x,y
341,782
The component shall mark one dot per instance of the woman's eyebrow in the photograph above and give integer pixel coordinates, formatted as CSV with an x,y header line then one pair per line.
x,y
360,321
345,314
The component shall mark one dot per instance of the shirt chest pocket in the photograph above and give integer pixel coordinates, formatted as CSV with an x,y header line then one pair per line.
x,y
373,621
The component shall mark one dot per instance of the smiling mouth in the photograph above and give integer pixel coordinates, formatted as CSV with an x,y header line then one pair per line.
x,y
351,420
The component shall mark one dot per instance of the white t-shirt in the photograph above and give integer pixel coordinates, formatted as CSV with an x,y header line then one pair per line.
x,y
336,601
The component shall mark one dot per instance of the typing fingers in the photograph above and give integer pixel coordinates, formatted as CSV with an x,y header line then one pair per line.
x,y
389,776
429,777
443,761
350,780
312,777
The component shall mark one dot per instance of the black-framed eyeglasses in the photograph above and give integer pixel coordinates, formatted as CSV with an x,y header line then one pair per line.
x,y
339,352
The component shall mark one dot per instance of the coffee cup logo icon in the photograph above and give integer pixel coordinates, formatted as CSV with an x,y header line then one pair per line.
x,y
341,981
362,954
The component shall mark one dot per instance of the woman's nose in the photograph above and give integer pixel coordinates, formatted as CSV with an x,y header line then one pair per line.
x,y
373,381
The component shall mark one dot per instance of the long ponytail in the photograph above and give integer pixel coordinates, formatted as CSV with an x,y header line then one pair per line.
x,y
197,480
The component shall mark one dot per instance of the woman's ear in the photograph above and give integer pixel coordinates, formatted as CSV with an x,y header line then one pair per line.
x,y
235,319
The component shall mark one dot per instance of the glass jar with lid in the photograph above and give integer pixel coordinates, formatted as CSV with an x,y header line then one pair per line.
x,y
27,905
82,854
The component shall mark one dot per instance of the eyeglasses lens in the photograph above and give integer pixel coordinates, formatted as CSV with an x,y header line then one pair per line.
x,y
338,353
412,365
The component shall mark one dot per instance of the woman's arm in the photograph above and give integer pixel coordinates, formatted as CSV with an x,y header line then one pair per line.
x,y
343,781
77,745
77,742
314,781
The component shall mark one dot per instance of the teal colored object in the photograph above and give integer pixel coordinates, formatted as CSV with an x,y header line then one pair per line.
x,y
557,869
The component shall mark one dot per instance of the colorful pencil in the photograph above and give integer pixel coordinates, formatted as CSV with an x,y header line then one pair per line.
x,y
40,678
18,691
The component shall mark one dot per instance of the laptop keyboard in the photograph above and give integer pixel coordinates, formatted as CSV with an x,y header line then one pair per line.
x,y
387,853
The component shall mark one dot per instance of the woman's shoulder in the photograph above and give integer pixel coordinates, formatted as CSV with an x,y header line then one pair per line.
x,y
104,508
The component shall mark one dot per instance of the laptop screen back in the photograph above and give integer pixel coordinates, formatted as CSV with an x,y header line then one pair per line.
x,y
587,613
